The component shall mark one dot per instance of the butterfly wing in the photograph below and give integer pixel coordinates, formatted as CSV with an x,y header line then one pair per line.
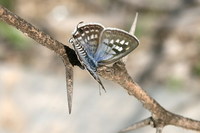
x,y
113,45
88,36
88,62
85,41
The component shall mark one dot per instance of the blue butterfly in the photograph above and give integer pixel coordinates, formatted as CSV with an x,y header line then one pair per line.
x,y
97,46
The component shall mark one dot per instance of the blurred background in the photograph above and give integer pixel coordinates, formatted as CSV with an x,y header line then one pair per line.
x,y
166,64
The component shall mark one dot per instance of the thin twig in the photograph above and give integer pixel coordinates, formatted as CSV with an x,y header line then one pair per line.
x,y
137,125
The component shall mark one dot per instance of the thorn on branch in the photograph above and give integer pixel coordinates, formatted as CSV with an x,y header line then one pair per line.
x,y
137,125
159,129
69,82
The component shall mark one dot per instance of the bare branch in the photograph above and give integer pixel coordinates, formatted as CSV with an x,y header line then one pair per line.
x,y
117,73
184,122
39,36
67,54
160,116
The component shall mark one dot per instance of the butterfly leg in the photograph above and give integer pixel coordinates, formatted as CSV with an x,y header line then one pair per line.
x,y
96,77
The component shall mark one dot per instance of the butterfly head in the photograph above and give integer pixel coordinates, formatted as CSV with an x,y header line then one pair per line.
x,y
78,30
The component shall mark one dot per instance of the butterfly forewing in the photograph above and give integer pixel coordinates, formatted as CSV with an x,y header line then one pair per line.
x,y
113,45
85,41
88,36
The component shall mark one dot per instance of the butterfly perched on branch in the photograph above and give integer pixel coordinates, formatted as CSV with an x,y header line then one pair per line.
x,y
97,46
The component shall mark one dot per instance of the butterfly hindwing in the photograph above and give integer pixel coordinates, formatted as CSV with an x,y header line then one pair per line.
x,y
113,45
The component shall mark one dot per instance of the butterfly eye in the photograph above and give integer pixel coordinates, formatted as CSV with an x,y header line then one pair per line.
x,y
71,40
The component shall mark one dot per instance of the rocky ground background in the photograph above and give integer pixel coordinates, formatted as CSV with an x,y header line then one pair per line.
x,y
166,64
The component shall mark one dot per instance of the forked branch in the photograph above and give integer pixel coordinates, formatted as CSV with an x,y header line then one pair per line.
x,y
117,73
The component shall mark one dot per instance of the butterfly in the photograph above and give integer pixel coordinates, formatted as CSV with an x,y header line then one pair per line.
x,y
96,46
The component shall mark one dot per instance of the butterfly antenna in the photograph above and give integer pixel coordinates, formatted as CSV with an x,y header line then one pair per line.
x,y
77,27
133,27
